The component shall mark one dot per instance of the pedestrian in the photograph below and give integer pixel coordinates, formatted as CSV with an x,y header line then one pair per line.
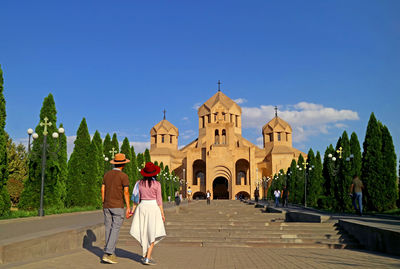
x,y
256,194
148,213
285,196
208,194
357,186
114,191
277,194
189,194
177,202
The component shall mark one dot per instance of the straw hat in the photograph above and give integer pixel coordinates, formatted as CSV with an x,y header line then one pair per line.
x,y
119,159
150,170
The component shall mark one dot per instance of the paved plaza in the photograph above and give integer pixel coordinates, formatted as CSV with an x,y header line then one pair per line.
x,y
223,238
227,257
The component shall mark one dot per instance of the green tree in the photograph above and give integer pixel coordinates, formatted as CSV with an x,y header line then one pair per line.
x,y
329,178
63,162
291,181
140,160
372,165
314,174
135,171
114,143
96,140
319,181
161,178
5,203
389,178
107,147
78,167
18,169
147,157
30,197
300,179
91,180
344,178
355,150
126,149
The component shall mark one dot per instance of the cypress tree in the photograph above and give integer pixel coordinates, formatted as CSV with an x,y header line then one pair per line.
x,y
63,161
292,173
319,180
96,140
313,183
140,160
355,149
78,167
5,202
147,156
126,149
389,178
163,182
135,172
30,197
329,176
114,143
300,179
372,165
345,174
107,146
91,186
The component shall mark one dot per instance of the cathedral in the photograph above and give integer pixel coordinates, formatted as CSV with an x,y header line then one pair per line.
x,y
220,159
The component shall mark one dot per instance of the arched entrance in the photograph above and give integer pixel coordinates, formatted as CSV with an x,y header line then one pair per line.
x,y
199,195
220,188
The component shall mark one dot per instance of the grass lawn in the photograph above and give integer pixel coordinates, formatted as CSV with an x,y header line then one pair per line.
x,y
15,213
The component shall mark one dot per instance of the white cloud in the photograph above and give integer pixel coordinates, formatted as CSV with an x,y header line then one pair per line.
x,y
187,134
185,118
140,146
240,101
306,119
196,106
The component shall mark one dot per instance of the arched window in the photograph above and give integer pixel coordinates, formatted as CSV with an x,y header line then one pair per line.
x,y
162,138
155,139
271,137
279,136
241,176
170,139
199,177
216,137
223,136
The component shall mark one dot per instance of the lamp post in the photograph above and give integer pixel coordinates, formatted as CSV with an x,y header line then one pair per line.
x,y
55,135
306,174
265,181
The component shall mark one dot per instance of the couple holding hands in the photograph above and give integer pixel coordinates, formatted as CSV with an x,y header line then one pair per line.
x,y
147,209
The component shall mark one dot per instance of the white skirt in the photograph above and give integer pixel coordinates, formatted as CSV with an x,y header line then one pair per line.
x,y
147,224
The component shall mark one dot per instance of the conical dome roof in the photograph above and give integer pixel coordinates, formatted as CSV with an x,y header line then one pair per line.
x,y
277,124
220,99
164,127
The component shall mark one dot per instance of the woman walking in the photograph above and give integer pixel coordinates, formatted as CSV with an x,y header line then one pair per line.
x,y
148,217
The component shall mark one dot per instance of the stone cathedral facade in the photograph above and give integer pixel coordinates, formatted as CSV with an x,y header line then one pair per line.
x,y
220,159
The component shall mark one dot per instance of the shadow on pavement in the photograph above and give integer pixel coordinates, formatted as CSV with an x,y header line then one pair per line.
x,y
90,238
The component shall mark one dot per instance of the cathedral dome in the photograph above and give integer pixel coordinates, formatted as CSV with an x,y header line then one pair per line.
x,y
164,127
217,100
277,124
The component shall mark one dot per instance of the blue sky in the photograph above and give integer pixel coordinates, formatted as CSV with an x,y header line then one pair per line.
x,y
326,64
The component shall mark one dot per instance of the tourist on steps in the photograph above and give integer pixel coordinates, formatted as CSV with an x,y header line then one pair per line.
x,y
357,187
114,190
285,196
277,194
208,197
148,213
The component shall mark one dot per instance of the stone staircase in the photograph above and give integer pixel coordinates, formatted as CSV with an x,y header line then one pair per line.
x,y
235,224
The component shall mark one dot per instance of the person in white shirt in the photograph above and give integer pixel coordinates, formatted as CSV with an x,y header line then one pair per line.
x,y
208,197
277,194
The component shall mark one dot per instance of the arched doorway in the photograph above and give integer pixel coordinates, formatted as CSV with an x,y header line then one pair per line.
x,y
199,195
220,188
243,195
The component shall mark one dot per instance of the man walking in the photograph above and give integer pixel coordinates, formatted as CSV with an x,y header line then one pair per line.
x,y
285,195
114,191
357,187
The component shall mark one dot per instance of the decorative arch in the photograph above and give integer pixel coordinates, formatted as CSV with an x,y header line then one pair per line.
x,y
199,195
242,195
199,173
242,172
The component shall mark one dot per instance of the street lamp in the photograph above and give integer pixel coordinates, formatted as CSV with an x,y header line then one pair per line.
x,y
306,174
46,123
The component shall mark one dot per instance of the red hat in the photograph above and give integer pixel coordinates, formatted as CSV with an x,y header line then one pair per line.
x,y
150,170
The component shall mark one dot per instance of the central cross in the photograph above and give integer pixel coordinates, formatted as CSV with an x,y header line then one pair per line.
x,y
113,151
340,151
164,113
219,85
45,124
305,165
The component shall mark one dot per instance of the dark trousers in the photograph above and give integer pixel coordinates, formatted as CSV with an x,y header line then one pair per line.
x,y
208,201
